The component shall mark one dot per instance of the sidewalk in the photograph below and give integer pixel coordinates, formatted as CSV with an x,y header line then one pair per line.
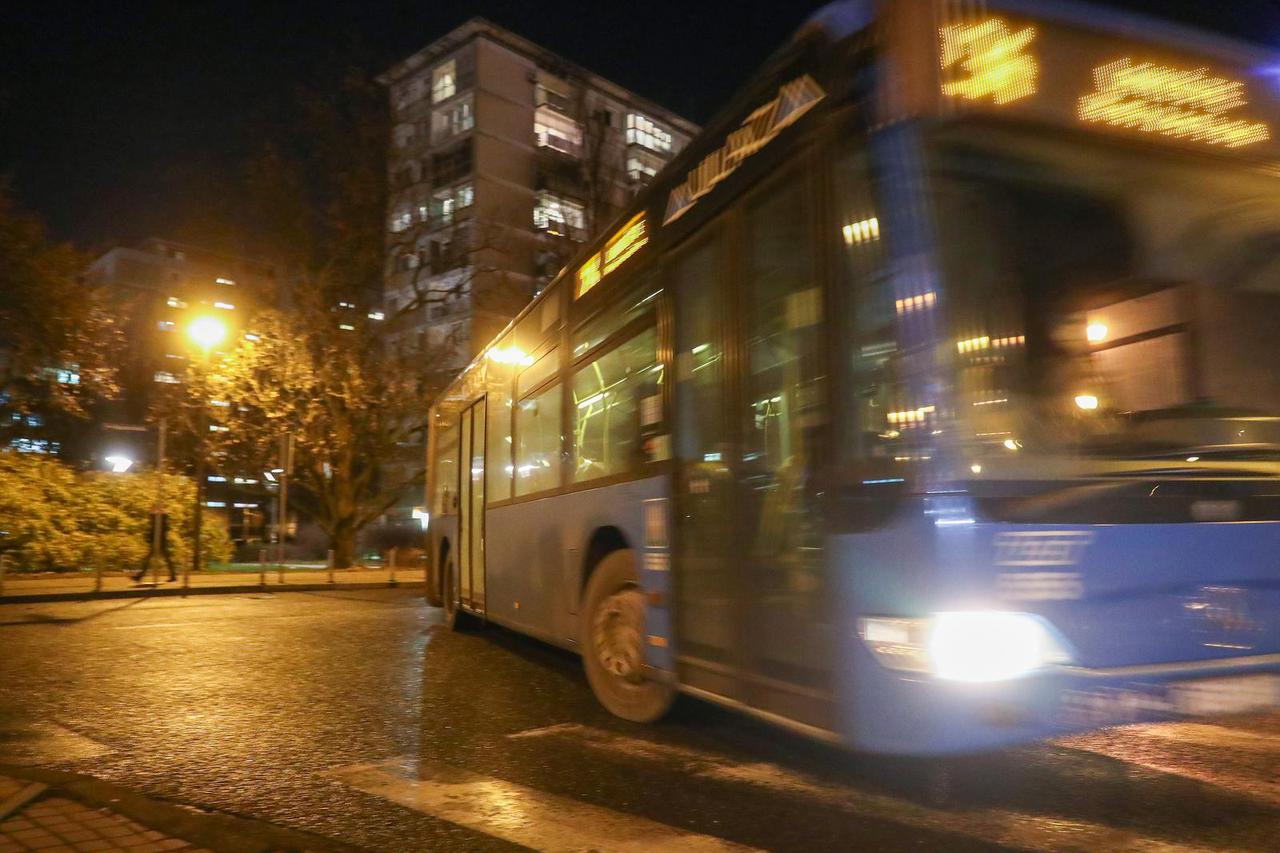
x,y
25,588
54,811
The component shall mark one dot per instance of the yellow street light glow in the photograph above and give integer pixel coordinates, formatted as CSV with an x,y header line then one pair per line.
x,y
207,332
1087,402
1096,332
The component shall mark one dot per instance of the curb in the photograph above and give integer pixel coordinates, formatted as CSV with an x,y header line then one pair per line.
x,y
179,592
214,830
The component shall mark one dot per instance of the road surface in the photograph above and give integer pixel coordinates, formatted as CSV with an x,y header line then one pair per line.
x,y
357,716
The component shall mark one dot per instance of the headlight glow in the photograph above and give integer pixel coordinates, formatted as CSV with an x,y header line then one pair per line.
x,y
972,646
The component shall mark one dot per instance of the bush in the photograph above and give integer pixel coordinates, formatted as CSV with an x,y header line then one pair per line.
x,y
56,519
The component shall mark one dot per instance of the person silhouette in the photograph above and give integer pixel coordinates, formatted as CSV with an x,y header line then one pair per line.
x,y
161,519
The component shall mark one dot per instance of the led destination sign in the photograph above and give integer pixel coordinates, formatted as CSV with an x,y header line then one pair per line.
x,y
1072,76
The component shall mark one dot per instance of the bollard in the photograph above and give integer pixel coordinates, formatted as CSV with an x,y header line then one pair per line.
x,y
280,566
331,580
4,564
97,576
262,567
391,566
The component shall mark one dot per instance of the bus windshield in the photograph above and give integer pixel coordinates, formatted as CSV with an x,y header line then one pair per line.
x,y
1106,304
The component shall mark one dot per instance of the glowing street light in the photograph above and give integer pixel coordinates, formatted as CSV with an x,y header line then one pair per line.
x,y
119,464
1096,332
207,332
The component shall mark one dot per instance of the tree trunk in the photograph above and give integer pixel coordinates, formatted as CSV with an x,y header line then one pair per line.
x,y
344,548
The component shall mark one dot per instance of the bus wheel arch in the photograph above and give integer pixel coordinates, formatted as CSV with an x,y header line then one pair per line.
x,y
603,542
612,638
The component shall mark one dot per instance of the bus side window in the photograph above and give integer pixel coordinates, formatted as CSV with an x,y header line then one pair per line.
x,y
607,394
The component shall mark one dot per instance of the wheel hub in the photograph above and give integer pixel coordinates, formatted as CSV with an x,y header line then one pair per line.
x,y
618,634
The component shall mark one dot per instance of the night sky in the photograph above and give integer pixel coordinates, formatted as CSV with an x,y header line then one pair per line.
x,y
119,119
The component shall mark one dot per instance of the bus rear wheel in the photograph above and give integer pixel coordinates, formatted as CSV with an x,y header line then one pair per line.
x,y
611,632
455,618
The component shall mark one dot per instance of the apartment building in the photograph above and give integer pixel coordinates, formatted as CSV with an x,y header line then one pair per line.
x,y
504,157
158,288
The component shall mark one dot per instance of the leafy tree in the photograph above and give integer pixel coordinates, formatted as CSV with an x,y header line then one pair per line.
x,y
53,518
57,340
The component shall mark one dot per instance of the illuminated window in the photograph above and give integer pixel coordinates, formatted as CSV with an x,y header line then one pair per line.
x,y
401,221
1183,104
641,130
225,306
226,281
559,216
175,302
444,81
865,231
167,325
993,59
164,377
449,201
640,171
464,195
458,117
609,396
552,129
537,458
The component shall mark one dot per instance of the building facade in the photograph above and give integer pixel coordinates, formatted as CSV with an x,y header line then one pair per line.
x,y
158,289
503,158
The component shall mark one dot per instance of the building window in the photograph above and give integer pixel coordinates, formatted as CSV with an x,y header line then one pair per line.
x,y
640,171
559,216
545,95
641,130
410,92
557,131
164,377
408,261
401,221
444,81
458,117
451,166
404,134
447,202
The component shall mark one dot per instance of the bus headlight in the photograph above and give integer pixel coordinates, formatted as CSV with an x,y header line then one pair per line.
x,y
974,646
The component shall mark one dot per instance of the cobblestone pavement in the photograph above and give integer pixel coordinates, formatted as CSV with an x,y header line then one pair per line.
x,y
54,823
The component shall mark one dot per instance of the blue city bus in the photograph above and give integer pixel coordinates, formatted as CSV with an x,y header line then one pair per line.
x,y
926,403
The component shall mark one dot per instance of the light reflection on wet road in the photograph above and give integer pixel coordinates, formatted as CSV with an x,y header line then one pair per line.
x,y
355,715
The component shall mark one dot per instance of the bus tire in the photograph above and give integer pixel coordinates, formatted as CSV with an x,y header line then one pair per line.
x,y
455,618
611,631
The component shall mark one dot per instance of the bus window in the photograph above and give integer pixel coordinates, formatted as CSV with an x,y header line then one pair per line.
x,y
606,396
613,318
498,450
538,442
446,468
538,372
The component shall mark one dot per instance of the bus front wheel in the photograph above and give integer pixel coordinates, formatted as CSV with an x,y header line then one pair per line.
x,y
611,633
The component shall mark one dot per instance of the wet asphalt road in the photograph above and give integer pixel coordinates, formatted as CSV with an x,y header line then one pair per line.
x,y
357,716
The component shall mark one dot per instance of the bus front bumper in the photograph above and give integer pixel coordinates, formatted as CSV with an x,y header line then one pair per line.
x,y
910,714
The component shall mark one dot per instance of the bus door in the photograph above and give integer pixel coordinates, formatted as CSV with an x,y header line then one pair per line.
x,y
782,416
470,555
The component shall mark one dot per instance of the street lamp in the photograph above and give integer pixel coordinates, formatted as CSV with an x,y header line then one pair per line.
x,y
119,464
206,332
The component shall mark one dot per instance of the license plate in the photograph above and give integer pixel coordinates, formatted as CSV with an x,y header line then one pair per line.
x,y
1235,695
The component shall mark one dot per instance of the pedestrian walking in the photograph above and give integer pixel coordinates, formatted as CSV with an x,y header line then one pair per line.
x,y
161,519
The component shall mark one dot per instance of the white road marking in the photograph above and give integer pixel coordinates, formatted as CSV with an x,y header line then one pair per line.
x,y
996,826
519,814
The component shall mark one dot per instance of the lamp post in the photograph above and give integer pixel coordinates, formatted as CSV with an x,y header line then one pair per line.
x,y
206,333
